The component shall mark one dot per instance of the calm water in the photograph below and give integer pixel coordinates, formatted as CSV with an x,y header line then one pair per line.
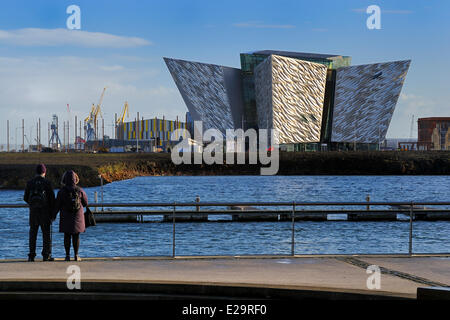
x,y
217,238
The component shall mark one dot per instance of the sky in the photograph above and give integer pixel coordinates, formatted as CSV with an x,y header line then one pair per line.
x,y
121,44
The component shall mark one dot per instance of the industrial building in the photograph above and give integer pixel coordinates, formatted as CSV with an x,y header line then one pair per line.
x,y
433,133
316,101
151,133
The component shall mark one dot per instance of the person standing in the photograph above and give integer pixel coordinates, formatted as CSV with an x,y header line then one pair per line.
x,y
40,197
70,202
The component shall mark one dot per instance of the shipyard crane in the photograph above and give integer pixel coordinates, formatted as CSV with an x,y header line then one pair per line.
x,y
120,121
124,113
54,142
98,109
91,120
411,129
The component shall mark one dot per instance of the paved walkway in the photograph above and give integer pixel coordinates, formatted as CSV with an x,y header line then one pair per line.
x,y
401,275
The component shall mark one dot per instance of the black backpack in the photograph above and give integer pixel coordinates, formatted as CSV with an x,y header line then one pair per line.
x,y
38,196
74,203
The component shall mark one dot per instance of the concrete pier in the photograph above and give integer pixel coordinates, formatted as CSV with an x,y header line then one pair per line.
x,y
263,277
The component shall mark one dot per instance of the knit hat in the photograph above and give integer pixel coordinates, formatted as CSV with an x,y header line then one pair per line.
x,y
70,178
41,169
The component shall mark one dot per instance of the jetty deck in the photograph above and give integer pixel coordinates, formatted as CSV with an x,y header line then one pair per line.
x,y
285,277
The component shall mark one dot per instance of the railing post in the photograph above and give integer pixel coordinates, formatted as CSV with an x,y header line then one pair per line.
x,y
173,230
197,200
410,228
101,189
293,230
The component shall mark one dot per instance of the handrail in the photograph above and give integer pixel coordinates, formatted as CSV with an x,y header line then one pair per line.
x,y
408,208
224,204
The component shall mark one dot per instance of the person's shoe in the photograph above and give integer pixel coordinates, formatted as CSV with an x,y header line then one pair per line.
x,y
76,258
49,258
67,258
30,258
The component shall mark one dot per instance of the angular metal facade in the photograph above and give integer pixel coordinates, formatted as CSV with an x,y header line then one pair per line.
x,y
289,98
264,94
308,98
212,93
365,99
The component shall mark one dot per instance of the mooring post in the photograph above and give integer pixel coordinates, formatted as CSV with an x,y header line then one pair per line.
x,y
95,199
293,230
410,228
368,200
173,230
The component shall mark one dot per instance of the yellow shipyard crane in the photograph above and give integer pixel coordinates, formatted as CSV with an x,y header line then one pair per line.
x,y
97,109
120,121
124,113
91,120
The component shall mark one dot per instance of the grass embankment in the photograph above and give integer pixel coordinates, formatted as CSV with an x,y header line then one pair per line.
x,y
17,168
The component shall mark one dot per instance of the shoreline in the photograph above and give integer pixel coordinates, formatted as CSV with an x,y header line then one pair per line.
x,y
17,168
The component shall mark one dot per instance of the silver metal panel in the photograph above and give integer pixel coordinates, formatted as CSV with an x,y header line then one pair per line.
x,y
289,98
211,92
264,94
365,100
233,87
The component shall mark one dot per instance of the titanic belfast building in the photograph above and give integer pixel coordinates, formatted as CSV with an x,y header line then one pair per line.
x,y
315,101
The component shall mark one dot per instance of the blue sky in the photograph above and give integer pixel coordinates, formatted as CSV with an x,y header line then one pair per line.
x,y
44,66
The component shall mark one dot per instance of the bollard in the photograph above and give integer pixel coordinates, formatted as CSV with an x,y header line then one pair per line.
x,y
368,200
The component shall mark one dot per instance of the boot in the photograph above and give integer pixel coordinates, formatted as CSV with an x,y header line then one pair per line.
x,y
31,258
48,258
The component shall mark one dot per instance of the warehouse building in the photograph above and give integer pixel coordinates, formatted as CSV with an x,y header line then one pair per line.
x,y
151,133
434,133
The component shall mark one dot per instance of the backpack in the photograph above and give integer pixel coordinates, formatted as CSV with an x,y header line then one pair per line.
x,y
38,196
74,203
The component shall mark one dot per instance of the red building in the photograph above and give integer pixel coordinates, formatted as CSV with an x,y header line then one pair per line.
x,y
426,127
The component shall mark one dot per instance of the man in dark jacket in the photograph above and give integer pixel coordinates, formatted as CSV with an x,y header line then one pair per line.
x,y
40,197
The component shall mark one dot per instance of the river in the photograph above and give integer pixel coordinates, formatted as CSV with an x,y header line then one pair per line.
x,y
252,238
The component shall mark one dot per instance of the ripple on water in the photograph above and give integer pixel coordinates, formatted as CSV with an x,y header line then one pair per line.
x,y
211,238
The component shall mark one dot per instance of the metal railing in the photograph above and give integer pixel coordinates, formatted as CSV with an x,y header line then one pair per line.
x,y
408,209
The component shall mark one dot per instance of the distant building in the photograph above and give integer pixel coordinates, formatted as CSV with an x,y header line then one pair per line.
x,y
434,133
156,132
406,144
315,101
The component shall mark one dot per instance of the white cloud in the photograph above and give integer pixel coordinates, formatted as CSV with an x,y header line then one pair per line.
x,y
260,25
37,87
409,105
66,37
416,104
112,68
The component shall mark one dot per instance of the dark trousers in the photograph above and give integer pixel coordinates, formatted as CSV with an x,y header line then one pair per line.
x,y
75,237
46,237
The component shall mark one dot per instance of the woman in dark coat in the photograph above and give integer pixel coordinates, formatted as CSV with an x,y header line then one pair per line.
x,y
70,202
